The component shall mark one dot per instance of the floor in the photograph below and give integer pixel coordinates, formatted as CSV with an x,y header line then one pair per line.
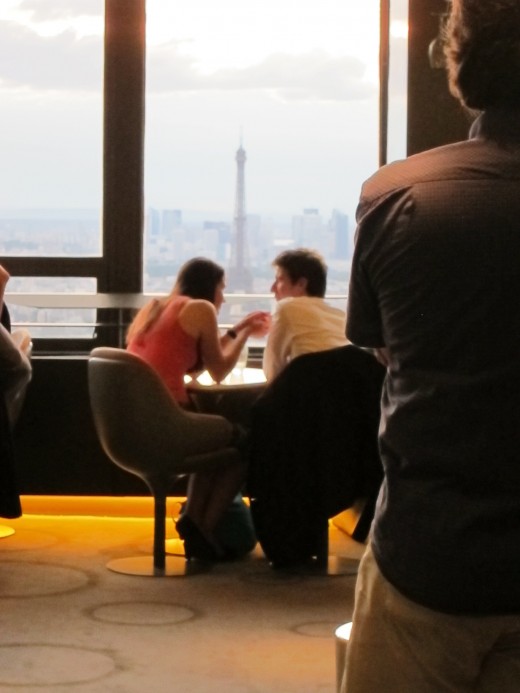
x,y
67,623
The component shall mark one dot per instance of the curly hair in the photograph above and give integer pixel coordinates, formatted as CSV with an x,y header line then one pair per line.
x,y
304,263
482,47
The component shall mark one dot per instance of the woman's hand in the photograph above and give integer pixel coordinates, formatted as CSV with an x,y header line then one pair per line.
x,y
256,324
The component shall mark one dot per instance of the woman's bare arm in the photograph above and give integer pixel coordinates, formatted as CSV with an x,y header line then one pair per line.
x,y
219,353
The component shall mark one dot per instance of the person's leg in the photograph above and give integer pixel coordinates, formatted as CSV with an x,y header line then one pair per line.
x,y
221,490
397,645
501,667
210,494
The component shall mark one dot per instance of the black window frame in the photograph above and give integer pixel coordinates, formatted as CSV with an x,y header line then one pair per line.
x,y
119,268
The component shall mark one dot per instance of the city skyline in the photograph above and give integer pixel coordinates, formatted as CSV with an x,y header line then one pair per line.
x,y
299,85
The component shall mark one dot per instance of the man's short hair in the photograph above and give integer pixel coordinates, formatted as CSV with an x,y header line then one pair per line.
x,y
307,264
483,52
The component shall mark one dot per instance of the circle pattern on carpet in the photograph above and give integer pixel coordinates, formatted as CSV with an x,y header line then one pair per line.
x,y
27,540
142,613
40,664
20,580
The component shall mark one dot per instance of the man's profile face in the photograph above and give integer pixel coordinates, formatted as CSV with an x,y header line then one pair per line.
x,y
283,287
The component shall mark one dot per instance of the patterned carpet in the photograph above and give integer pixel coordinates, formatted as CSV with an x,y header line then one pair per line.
x,y
68,623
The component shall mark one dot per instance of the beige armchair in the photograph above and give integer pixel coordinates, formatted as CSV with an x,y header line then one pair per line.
x,y
143,430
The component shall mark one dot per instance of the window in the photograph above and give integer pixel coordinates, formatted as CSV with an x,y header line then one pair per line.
x,y
51,174
73,139
51,91
296,85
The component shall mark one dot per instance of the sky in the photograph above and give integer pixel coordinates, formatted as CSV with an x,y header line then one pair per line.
x,y
294,81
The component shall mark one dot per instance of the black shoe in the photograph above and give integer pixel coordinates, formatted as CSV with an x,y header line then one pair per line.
x,y
195,543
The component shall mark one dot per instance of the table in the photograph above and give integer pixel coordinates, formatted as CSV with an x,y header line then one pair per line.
x,y
232,398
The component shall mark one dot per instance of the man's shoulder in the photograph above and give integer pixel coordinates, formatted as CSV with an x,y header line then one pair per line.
x,y
307,309
424,167
294,304
469,160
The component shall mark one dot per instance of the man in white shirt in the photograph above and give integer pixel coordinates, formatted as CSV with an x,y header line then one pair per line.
x,y
303,321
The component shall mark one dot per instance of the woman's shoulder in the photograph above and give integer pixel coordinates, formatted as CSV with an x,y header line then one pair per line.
x,y
197,305
198,311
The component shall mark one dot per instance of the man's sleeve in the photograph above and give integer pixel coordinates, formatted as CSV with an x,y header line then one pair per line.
x,y
363,318
278,347
364,326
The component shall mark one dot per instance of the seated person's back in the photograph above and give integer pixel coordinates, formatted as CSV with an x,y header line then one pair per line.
x,y
303,321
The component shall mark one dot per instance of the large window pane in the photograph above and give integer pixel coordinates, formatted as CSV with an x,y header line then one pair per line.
x,y
51,58
398,80
294,83
41,318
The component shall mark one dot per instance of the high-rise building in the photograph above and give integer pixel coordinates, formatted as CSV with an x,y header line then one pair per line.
x,y
307,229
171,220
339,228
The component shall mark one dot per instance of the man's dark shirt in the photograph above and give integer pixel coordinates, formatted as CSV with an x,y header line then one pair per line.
x,y
436,280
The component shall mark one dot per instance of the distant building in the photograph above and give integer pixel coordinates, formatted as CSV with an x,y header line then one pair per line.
x,y
307,229
339,228
171,219
223,230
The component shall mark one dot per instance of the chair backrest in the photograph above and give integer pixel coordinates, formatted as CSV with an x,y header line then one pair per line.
x,y
322,413
313,448
140,425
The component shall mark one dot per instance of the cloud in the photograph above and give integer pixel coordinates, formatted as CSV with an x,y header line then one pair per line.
x,y
48,10
61,62
310,76
65,62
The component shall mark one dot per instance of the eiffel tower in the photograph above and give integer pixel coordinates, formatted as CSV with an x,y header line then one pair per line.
x,y
239,277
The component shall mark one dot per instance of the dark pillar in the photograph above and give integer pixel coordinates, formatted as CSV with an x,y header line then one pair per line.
x,y
123,159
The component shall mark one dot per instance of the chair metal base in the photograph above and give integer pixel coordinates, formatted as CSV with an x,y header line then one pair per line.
x,y
175,566
333,566
6,531
338,565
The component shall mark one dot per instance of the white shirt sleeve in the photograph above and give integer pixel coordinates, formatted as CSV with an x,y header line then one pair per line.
x,y
278,348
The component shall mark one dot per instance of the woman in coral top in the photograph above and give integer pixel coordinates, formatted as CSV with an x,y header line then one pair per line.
x,y
179,334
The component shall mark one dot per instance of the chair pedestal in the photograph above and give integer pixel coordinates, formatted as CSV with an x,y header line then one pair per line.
x,y
318,561
174,566
159,564
6,531
337,566
332,565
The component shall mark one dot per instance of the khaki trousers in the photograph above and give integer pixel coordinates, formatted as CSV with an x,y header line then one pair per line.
x,y
399,646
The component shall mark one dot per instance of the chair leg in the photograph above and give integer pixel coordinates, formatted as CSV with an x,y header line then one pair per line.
x,y
322,553
158,564
159,532
325,564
